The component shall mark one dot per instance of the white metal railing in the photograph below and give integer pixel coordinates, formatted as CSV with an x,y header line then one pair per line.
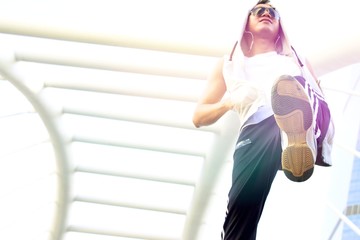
x,y
345,91
225,135
7,69
342,217
348,149
207,178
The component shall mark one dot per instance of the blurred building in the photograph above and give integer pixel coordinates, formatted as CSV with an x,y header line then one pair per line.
x,y
353,205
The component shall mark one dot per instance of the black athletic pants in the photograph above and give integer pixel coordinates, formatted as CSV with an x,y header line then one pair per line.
x,y
257,158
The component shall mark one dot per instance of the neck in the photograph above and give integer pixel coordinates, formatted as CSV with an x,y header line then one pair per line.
x,y
261,46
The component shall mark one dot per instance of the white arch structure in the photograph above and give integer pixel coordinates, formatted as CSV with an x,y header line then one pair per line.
x,y
56,52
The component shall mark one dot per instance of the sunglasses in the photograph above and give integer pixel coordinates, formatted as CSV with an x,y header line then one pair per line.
x,y
259,11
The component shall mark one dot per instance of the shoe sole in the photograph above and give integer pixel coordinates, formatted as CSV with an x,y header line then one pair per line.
x,y
293,114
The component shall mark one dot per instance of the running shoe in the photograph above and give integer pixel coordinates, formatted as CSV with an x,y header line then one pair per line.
x,y
294,116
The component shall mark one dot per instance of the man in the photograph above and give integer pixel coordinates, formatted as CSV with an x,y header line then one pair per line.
x,y
280,106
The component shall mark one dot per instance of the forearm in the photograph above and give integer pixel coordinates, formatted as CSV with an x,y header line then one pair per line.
x,y
206,114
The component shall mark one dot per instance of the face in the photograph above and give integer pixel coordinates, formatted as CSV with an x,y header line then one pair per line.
x,y
264,22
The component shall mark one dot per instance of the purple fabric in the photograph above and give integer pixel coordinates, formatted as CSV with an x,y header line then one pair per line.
x,y
322,118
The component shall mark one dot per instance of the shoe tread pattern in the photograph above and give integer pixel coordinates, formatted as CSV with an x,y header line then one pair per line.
x,y
293,115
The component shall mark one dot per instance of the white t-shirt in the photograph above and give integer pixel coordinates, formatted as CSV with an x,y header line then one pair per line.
x,y
250,80
263,69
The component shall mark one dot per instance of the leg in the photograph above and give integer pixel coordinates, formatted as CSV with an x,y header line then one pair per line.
x,y
324,129
256,162
294,115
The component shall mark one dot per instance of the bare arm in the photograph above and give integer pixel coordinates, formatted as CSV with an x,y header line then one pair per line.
x,y
210,106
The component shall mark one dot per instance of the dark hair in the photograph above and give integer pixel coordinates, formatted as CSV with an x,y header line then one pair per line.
x,y
263,2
